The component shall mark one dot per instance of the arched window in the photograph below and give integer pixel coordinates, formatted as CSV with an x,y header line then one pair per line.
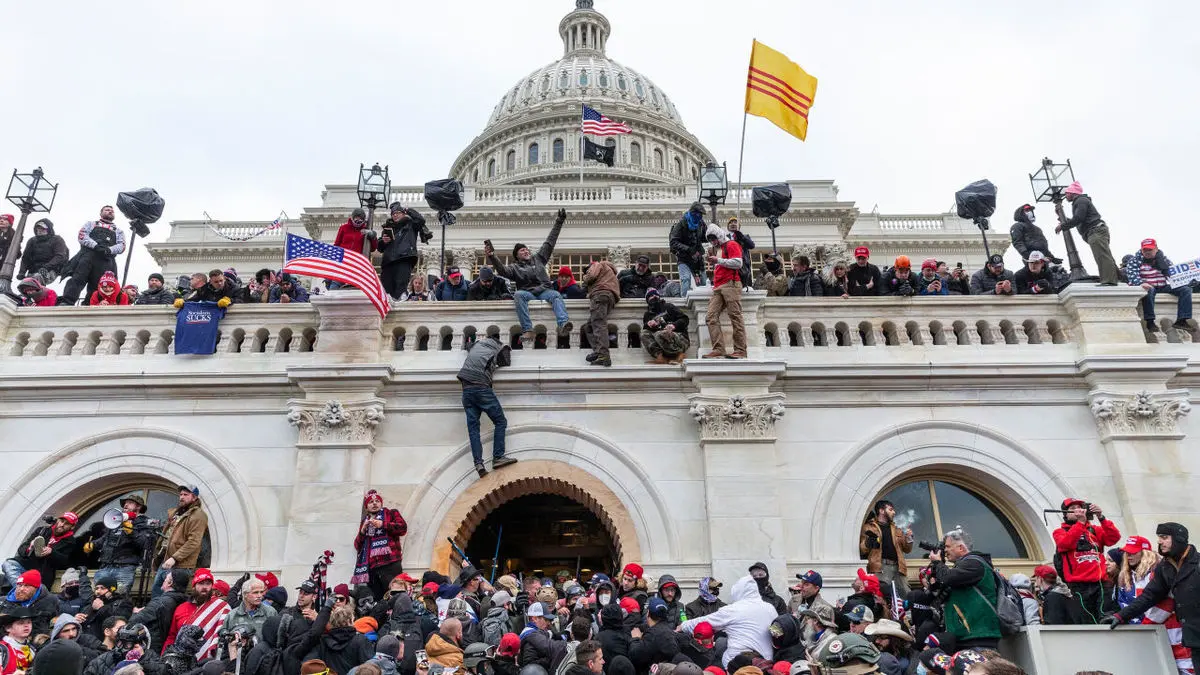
x,y
654,95
641,91
564,80
583,78
678,167
658,159
635,153
603,79
491,168
475,176
533,154
621,83
158,495
545,83
510,160
558,150
933,506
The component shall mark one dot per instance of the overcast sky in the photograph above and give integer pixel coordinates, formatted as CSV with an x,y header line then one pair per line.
x,y
244,108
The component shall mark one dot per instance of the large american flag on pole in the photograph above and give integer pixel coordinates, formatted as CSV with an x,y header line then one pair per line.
x,y
598,125
326,261
209,618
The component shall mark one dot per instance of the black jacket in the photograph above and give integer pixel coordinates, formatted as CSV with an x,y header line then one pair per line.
x,y
859,277
656,645
1181,580
902,287
688,245
44,609
114,605
771,597
1024,281
698,608
404,238
158,613
163,296
538,647
852,601
675,607
1057,607
1084,216
497,291
786,633
1026,236
806,285
699,655
342,649
984,282
44,251
666,313
6,237
62,554
614,638
530,275
406,626
483,358
119,549
634,285
209,293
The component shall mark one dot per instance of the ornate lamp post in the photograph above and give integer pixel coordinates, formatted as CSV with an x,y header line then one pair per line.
x,y
714,186
31,193
1048,184
374,188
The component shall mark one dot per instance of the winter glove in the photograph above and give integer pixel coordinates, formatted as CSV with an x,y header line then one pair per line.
x,y
178,304
371,235
104,251
127,527
872,540
426,235
562,217
224,302
1112,621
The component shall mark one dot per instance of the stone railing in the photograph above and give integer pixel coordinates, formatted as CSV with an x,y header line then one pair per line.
x,y
786,329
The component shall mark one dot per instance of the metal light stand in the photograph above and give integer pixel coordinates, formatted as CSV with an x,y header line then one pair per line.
x,y
28,200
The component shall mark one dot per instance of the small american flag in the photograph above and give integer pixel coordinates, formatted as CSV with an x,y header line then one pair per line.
x,y
598,125
326,261
275,225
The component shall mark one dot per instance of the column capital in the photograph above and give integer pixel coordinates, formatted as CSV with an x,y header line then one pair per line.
x,y
1140,416
335,424
737,418
619,256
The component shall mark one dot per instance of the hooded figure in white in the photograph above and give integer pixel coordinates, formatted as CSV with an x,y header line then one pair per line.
x,y
746,621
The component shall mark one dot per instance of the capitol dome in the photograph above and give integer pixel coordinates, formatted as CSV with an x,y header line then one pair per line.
x,y
533,134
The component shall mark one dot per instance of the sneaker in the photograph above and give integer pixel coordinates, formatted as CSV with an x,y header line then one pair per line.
x,y
1152,327
527,337
480,469
591,357
603,361
1182,324
737,355
36,544
565,329
714,354
501,462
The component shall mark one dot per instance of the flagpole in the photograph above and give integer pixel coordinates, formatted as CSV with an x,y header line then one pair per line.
x,y
582,137
741,156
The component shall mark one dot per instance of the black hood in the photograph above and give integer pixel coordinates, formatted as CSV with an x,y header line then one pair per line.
x,y
668,580
60,657
339,639
611,616
270,630
1019,216
785,631
44,222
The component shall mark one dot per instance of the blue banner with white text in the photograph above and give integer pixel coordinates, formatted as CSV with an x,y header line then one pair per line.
x,y
196,328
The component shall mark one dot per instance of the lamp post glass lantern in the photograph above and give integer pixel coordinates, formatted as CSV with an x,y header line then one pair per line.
x,y
31,193
714,186
1048,183
374,188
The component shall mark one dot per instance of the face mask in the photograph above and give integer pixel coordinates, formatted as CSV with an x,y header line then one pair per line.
x,y
1032,216
921,669
604,598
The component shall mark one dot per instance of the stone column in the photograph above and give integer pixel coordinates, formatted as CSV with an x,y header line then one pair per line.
x,y
698,300
737,414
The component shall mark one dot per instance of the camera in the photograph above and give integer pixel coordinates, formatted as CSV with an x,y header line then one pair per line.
x,y
939,548
242,634
134,635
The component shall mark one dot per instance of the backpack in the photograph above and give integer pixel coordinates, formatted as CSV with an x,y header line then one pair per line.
x,y
1008,608
569,659
494,628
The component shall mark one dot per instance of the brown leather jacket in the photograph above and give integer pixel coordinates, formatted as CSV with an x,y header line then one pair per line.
x,y
602,276
183,543
874,556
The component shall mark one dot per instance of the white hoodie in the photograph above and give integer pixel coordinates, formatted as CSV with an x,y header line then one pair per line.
x,y
746,621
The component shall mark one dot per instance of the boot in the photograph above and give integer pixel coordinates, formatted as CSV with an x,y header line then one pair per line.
x,y
501,462
1182,324
677,359
565,329
737,355
591,357
527,337
604,361
480,469
1152,327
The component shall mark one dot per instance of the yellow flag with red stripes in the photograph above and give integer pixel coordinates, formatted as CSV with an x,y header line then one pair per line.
x,y
779,90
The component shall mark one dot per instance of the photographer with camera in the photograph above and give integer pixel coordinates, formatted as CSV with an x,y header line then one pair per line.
x,y
970,590
883,545
1035,277
100,242
398,244
1079,559
133,643
665,337
157,615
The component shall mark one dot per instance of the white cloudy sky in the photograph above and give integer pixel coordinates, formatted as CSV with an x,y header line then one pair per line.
x,y
245,108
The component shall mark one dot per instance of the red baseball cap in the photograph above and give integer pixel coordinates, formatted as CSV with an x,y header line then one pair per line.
x,y
1135,543
403,576
703,630
862,252
30,578
430,589
634,570
510,644
202,575
1045,572
70,517
221,587
870,580
1149,243
631,606
269,579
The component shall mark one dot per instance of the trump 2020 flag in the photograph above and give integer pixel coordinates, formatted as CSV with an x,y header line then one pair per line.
x,y
196,328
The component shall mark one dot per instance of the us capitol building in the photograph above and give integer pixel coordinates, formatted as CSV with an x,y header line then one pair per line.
x,y
962,410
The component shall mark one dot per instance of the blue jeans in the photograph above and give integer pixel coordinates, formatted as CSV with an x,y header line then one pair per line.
x,y
122,574
12,570
522,298
481,400
1184,293
685,279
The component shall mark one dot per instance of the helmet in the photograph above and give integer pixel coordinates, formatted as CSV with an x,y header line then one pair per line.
x,y
477,652
847,648
903,262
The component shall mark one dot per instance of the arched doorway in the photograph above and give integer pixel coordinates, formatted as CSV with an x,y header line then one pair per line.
x,y
542,534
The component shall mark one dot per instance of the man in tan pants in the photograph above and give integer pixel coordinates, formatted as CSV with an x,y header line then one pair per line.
x,y
726,258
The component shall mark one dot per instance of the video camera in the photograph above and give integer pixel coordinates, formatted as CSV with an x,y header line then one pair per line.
x,y
135,635
243,634
939,548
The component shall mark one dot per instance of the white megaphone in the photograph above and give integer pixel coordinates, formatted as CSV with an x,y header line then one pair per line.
x,y
114,518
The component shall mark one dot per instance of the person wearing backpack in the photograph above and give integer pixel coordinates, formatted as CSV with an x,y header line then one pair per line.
x,y
1079,558
972,592
499,618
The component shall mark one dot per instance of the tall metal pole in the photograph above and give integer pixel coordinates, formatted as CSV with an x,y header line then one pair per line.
x,y
128,257
1078,272
10,257
741,155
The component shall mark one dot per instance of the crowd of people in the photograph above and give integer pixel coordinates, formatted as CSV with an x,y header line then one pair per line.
x,y
386,620
696,245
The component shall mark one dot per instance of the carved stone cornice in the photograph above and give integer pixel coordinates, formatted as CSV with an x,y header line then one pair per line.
x,y
336,424
618,255
737,418
1140,416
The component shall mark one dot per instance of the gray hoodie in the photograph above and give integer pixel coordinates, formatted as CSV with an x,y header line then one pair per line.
x,y
62,622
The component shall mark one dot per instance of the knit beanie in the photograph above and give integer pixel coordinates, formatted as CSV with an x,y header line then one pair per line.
x,y
517,249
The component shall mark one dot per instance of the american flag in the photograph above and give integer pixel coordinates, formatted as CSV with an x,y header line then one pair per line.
x,y
275,225
598,125
209,617
326,261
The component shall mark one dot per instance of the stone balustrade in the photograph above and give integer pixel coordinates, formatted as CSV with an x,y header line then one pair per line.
x,y
779,329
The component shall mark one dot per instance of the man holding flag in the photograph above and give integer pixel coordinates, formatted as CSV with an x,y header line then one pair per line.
x,y
203,609
326,261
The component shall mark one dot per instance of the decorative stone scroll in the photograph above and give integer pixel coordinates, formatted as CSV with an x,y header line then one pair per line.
x,y
737,418
335,423
1142,415
619,256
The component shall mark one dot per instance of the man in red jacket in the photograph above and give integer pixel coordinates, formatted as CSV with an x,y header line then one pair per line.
x,y
380,557
353,236
726,258
1080,555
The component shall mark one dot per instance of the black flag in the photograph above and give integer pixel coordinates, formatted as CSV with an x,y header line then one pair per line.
x,y
600,153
